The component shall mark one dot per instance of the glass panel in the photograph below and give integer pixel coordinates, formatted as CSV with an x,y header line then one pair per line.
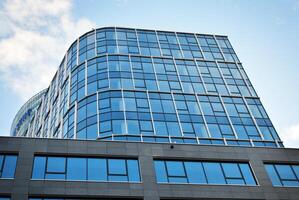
x,y
56,164
161,174
1,162
214,173
9,166
195,172
231,170
247,174
97,169
133,170
39,167
76,169
285,172
175,168
117,167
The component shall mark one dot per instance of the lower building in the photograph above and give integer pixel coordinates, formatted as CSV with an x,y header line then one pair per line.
x,y
38,168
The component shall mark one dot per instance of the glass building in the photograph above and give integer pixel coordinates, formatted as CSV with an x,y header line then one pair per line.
x,y
147,114
152,86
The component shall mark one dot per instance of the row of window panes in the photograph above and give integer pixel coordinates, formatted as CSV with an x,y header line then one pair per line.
x,y
151,43
203,172
127,170
190,140
86,169
158,74
283,174
163,114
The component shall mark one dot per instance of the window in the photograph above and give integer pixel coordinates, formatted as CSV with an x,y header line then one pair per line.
x,y
283,174
7,165
203,172
85,169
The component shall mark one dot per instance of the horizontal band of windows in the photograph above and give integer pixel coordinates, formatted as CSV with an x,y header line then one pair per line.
x,y
195,172
285,175
189,140
86,169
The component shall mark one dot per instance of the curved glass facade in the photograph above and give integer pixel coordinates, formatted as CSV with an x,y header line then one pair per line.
x,y
153,86
22,119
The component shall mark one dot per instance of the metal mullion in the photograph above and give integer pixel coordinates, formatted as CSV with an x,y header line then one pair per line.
x,y
133,78
220,163
151,112
177,115
166,169
228,116
223,78
98,115
137,39
203,56
127,174
95,42
177,73
75,120
242,175
108,71
219,48
204,172
156,33
254,121
184,167
200,75
178,43
155,73
116,40
124,110
203,116
280,179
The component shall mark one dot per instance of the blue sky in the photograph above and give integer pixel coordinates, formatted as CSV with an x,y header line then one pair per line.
x,y
265,35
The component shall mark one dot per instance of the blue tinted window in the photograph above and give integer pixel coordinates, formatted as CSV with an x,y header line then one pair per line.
x,y
8,166
283,174
56,164
214,173
247,174
83,169
97,169
76,169
133,170
195,172
39,167
161,173
203,172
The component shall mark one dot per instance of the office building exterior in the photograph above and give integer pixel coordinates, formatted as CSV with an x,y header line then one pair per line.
x,y
147,114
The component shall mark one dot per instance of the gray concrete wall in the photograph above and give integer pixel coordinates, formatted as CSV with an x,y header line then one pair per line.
x,y
21,187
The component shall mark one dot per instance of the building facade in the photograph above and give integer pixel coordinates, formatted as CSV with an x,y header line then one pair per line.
x,y
147,114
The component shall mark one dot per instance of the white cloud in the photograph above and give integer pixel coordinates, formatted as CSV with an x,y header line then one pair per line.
x,y
34,36
290,136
